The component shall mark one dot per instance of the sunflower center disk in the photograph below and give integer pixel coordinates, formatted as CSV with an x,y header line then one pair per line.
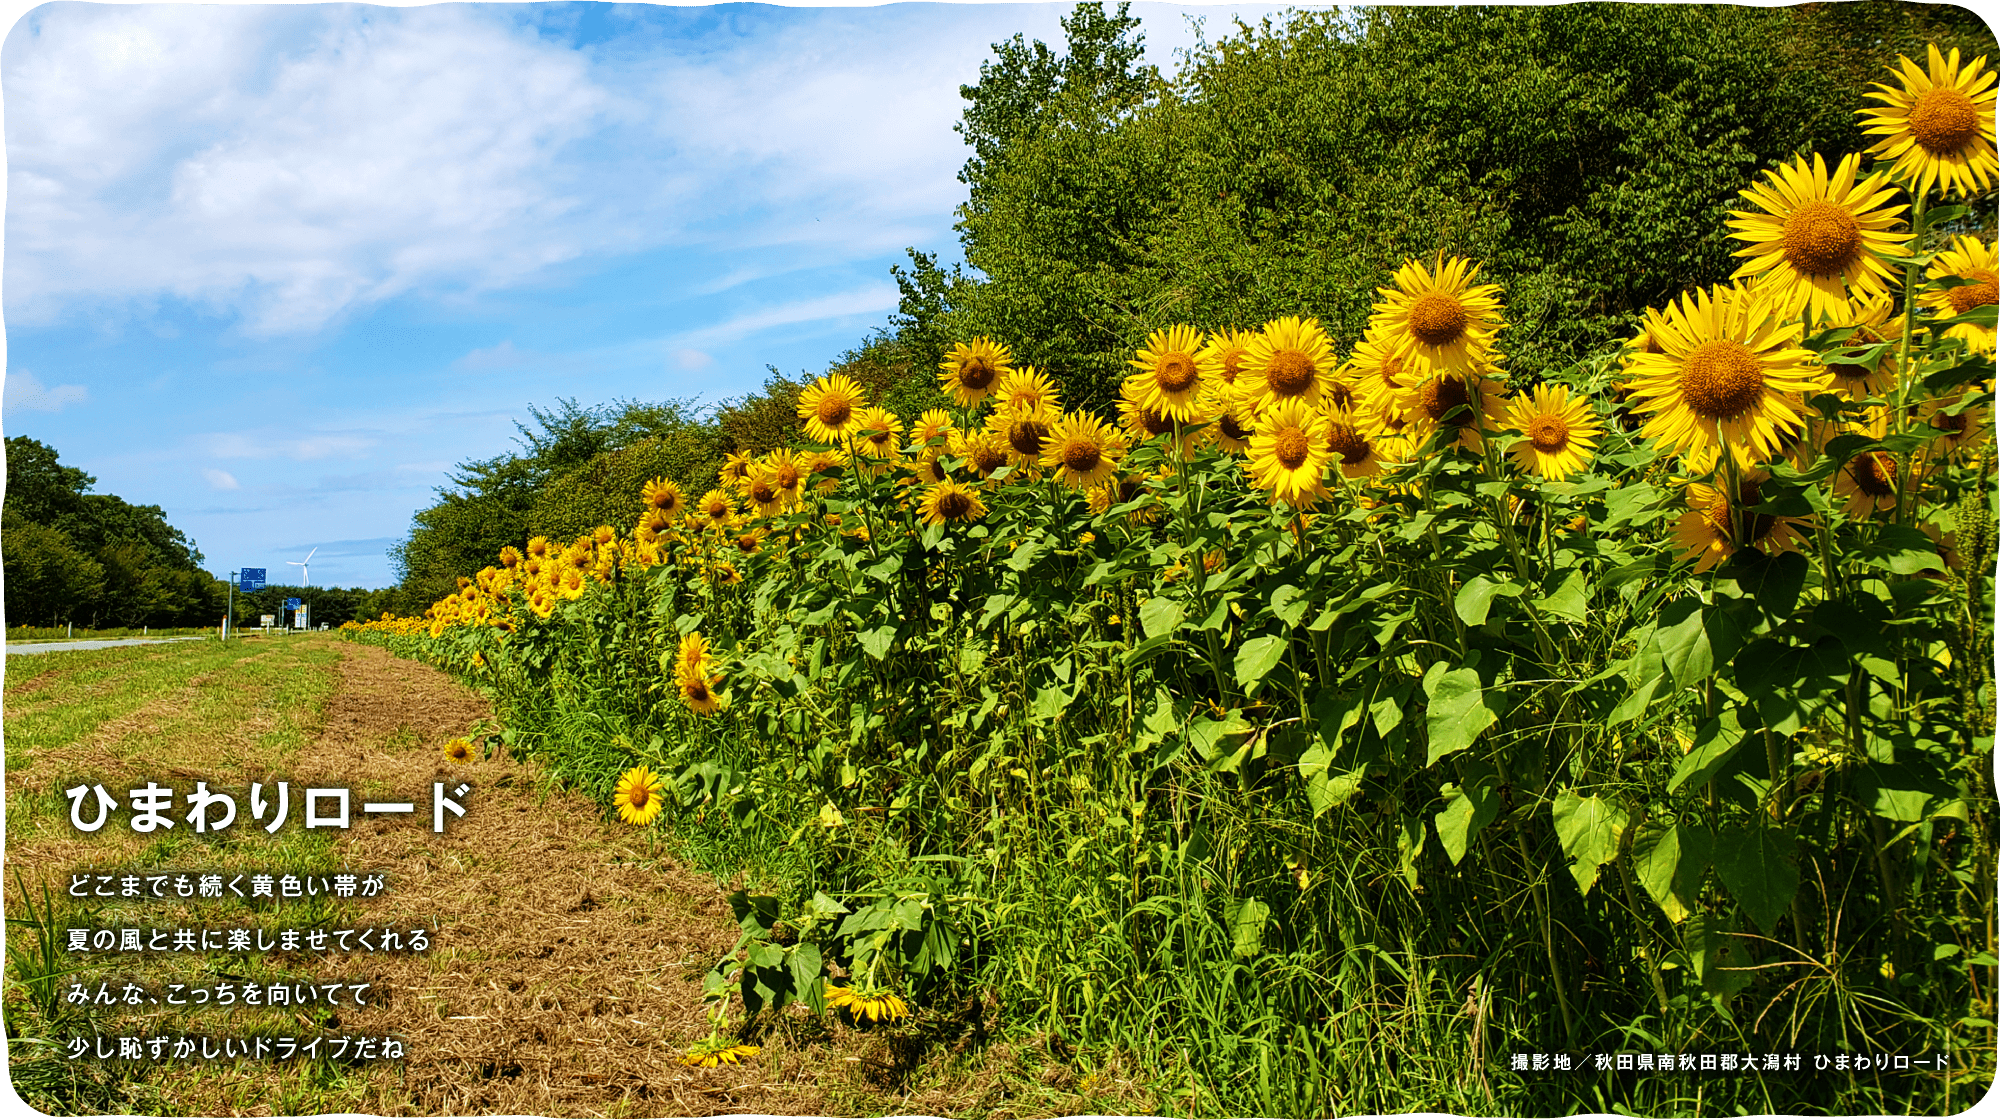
x,y
1229,427
1081,456
1722,379
1944,121
1291,373
1291,448
1176,372
1548,434
1437,319
1443,396
1965,297
1948,423
1874,473
954,506
1156,424
977,373
833,411
1026,436
1347,443
1821,239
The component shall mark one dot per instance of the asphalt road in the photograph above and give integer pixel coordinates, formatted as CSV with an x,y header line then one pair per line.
x,y
107,643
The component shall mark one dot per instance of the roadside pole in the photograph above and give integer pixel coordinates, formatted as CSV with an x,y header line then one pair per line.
x,y
229,618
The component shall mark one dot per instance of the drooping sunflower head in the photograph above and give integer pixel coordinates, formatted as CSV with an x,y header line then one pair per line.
x,y
1937,128
1819,237
1082,450
1559,432
927,469
1466,407
1970,263
1350,446
1142,423
1871,330
972,369
1730,371
1173,368
1438,319
1715,527
948,503
830,406
880,433
1288,453
983,451
736,467
1026,390
1290,360
1964,424
638,796
1121,490
1230,430
1868,482
933,426
664,495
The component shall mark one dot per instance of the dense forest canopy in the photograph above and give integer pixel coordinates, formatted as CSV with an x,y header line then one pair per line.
x,y
1585,154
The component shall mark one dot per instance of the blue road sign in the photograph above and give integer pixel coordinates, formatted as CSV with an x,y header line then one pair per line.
x,y
291,604
253,579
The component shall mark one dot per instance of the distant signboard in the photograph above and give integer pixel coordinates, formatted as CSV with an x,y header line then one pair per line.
x,y
291,604
253,579
270,620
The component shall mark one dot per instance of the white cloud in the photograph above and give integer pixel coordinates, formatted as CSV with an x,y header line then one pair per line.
x,y
261,445
692,359
860,301
283,166
503,356
25,390
220,480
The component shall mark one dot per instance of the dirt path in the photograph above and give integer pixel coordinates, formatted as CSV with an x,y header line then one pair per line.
x,y
565,972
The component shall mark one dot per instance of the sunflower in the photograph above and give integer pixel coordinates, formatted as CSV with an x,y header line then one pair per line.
x,y
1290,360
1026,390
1729,371
538,548
787,472
663,495
927,469
949,503
1868,482
603,534
1439,322
714,510
935,424
1142,423
970,371
1871,327
762,492
1444,402
1124,489
1288,452
1964,428
1710,531
1082,450
712,1052
983,451
1022,434
1351,447
751,542
458,750
1819,237
638,796
1230,431
1560,432
1379,375
691,659
542,601
1226,351
1971,260
876,1005
698,692
881,433
510,557
736,467
1938,128
1173,367
830,407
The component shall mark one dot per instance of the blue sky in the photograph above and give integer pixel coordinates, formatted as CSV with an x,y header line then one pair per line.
x,y
277,268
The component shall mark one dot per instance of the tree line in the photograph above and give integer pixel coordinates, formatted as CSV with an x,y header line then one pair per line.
x,y
1585,154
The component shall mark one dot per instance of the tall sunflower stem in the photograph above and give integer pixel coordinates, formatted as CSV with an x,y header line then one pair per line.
x,y
1899,415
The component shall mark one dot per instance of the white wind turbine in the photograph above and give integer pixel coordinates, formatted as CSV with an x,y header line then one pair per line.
x,y
305,573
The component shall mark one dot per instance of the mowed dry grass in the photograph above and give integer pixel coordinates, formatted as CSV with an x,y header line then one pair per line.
x,y
564,976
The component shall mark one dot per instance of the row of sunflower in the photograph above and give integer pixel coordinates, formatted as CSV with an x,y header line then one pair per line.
x,y
1372,612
